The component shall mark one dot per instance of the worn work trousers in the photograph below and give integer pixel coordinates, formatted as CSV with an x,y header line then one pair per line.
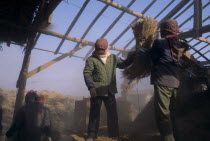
x,y
165,105
94,117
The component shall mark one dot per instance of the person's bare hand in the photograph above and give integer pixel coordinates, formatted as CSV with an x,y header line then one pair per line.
x,y
92,92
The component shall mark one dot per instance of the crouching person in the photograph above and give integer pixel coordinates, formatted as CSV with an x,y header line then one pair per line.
x,y
32,122
100,78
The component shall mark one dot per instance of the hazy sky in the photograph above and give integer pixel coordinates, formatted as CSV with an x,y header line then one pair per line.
x,y
66,75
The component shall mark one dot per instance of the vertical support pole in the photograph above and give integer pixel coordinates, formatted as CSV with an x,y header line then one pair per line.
x,y
21,83
197,17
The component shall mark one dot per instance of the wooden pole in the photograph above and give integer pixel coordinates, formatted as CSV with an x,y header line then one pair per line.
x,y
48,64
74,39
175,10
91,25
201,49
122,8
197,17
46,50
21,83
72,25
109,28
191,33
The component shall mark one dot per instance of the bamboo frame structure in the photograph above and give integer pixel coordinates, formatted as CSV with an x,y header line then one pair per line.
x,y
197,17
127,10
72,25
183,5
91,25
110,27
128,27
122,8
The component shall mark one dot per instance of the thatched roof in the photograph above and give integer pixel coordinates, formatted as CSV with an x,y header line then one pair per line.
x,y
23,14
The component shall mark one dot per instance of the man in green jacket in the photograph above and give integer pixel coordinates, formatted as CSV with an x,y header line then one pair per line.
x,y
100,78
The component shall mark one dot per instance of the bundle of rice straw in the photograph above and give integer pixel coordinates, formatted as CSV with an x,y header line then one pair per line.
x,y
144,32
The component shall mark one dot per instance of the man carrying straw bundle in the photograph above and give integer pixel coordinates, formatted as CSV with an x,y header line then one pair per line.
x,y
166,53
100,78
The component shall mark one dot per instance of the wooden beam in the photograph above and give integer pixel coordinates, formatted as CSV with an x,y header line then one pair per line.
x,y
190,17
128,27
32,39
148,6
183,23
58,52
91,25
201,49
204,40
48,64
122,8
191,33
164,9
175,10
184,10
200,38
206,19
116,20
197,17
109,28
203,54
200,41
72,25
59,35
126,46
89,52
143,12
21,82
204,63
74,39
70,38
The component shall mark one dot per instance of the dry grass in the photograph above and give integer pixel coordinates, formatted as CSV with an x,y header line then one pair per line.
x,y
144,32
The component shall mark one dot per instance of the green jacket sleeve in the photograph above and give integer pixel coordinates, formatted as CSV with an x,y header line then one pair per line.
x,y
87,72
121,64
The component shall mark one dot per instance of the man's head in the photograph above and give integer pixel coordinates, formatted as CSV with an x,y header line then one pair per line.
x,y
31,97
169,27
101,46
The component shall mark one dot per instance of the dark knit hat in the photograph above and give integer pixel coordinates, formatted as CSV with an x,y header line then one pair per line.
x,y
169,26
31,97
101,44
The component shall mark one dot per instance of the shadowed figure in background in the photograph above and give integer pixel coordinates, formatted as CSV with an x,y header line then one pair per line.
x,y
100,78
32,122
166,54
